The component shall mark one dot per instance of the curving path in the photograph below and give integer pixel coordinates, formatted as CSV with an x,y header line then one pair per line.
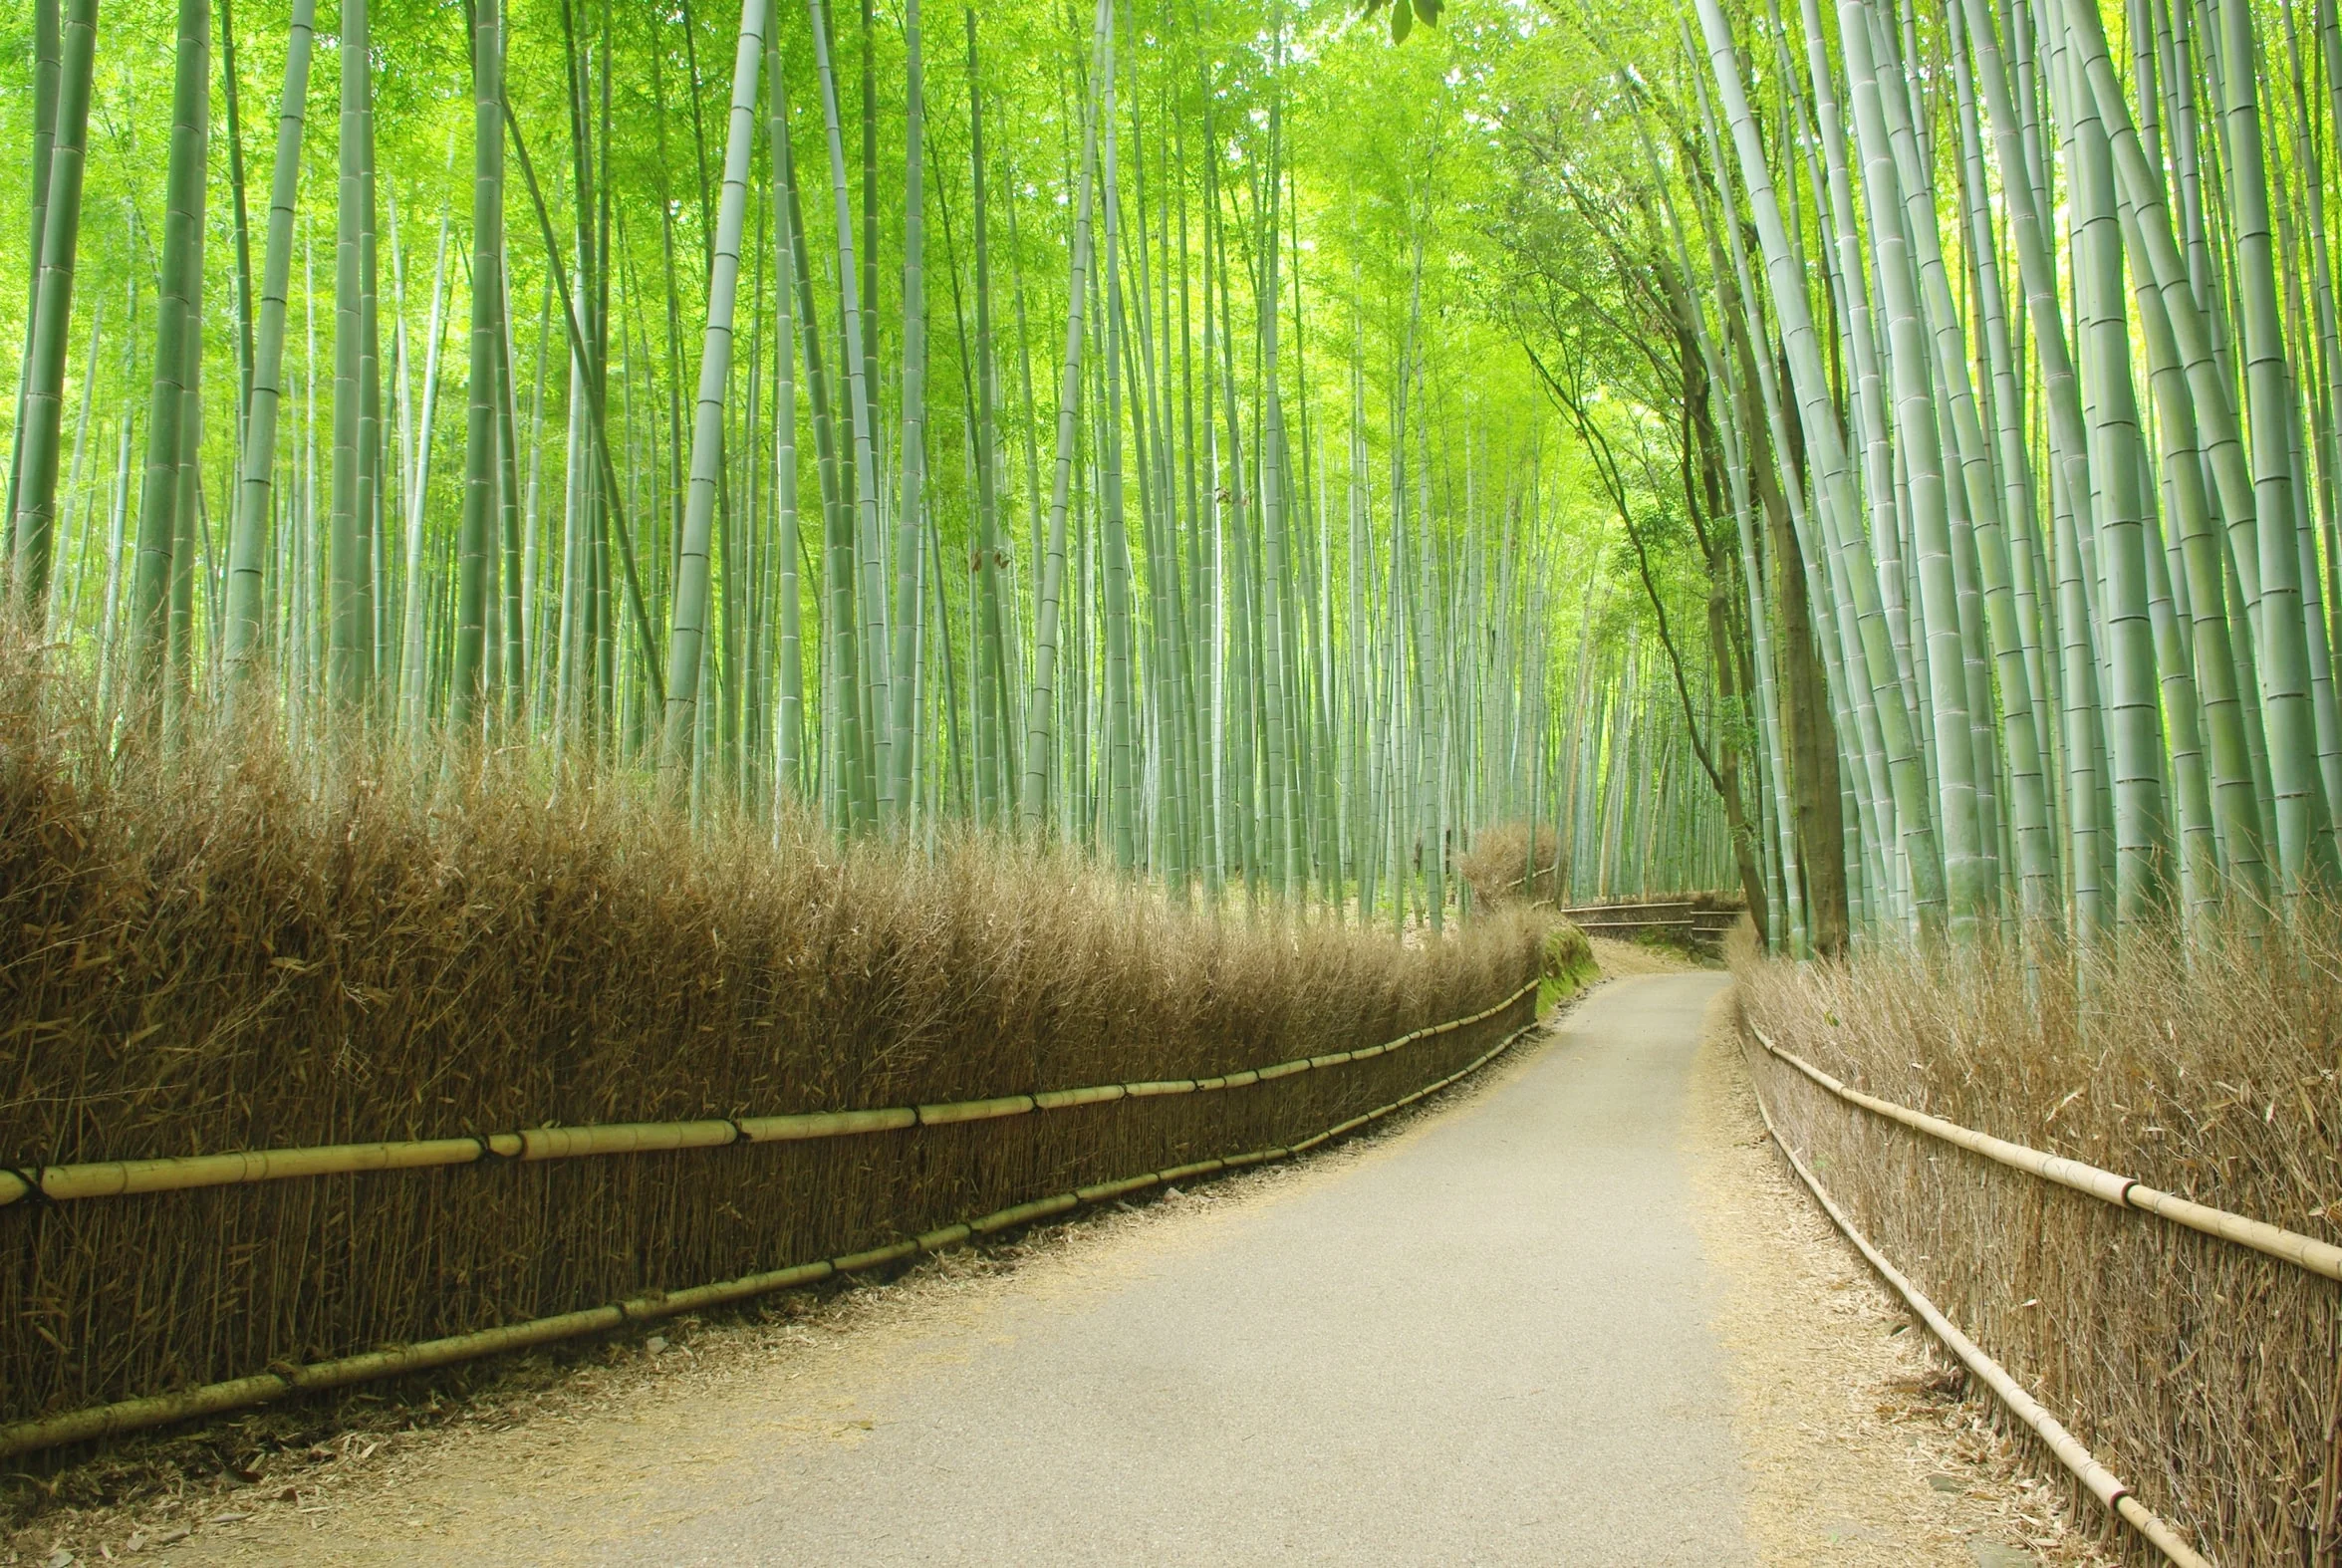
x,y
1574,1314
1483,1340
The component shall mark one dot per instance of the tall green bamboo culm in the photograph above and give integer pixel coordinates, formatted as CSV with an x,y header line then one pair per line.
x,y
42,413
693,573
181,278
1033,797
255,494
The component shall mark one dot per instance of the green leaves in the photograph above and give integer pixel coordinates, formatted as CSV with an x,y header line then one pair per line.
x,y
1404,15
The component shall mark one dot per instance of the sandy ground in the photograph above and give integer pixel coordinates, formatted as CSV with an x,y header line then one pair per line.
x,y
1576,1313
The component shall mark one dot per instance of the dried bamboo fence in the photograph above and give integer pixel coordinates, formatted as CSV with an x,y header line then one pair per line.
x,y
103,1420
2093,1477
121,1178
233,955
540,1242
2192,1347
2319,1257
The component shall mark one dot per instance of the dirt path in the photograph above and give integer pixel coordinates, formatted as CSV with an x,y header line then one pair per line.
x,y
1562,1320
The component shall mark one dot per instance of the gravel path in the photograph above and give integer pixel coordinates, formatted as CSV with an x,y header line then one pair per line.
x,y
1513,1331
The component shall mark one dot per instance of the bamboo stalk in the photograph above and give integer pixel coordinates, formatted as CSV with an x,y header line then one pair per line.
x,y
57,218
693,608
167,419
469,676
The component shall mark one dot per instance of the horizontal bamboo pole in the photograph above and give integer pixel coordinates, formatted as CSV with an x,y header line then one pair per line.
x,y
974,1110
121,1178
2094,1478
1062,1098
625,1138
124,1416
2307,1252
1578,914
824,1124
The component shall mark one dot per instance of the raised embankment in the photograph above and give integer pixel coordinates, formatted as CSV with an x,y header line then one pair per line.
x,y
492,1064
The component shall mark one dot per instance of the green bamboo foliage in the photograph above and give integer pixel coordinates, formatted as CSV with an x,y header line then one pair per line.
x,y
1840,510
2079,330
1272,579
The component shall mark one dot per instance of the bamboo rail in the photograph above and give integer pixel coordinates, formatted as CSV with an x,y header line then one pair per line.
x,y
1679,917
2094,1478
120,1177
106,1421
2291,1246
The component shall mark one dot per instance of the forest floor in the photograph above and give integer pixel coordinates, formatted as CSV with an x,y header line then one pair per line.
x,y
1576,1313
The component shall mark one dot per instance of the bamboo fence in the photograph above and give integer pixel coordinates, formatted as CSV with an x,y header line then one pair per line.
x,y
337,1279
2094,1477
121,1178
2185,1360
2307,1252
134,1414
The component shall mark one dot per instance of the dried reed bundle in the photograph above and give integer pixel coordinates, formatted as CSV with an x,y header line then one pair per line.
x,y
1499,870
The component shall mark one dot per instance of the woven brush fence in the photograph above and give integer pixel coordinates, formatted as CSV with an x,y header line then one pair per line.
x,y
2204,1374
236,957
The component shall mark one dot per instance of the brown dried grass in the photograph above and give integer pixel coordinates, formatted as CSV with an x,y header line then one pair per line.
x,y
1496,868
225,945
2208,1377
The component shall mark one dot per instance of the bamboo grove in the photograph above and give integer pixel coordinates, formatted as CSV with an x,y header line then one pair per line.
x,y
2009,334
1080,425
